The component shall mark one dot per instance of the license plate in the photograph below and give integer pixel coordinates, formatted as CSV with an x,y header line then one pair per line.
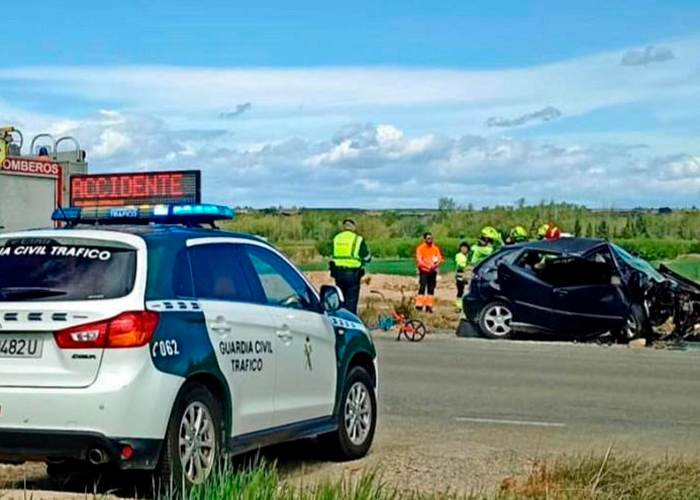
x,y
20,347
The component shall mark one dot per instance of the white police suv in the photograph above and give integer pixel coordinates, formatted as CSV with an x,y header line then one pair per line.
x,y
136,337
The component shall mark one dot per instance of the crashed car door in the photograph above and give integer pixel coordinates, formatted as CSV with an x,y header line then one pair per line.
x,y
530,297
588,298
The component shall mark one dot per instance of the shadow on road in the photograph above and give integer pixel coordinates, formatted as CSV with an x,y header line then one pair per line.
x,y
290,458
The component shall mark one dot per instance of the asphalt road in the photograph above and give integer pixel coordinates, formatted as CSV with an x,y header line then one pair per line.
x,y
464,414
539,397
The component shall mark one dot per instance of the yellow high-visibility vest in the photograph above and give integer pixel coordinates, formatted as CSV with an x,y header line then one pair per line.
x,y
346,250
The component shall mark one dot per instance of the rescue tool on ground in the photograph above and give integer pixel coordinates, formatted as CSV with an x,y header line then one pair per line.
x,y
141,308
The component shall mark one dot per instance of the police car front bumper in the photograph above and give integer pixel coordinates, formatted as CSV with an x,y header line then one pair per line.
x,y
30,445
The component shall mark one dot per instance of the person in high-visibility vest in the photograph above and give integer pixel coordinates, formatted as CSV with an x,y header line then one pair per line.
x,y
350,254
428,260
485,246
542,231
518,234
461,264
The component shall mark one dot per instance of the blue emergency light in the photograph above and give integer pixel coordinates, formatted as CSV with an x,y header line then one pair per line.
x,y
190,214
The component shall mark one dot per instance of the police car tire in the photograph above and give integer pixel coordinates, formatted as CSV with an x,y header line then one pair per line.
x,y
338,444
170,469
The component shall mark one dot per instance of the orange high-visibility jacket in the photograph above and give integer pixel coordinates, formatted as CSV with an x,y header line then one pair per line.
x,y
428,258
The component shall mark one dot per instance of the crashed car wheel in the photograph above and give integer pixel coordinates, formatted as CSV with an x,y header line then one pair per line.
x,y
495,320
635,327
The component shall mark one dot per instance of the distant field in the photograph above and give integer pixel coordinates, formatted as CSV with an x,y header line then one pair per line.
x,y
688,266
403,267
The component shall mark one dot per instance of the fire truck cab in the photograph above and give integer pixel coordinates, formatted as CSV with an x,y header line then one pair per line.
x,y
34,184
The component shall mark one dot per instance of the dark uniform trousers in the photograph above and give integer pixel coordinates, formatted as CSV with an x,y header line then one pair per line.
x,y
348,280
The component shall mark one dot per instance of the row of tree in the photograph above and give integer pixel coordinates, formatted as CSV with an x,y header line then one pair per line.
x,y
451,221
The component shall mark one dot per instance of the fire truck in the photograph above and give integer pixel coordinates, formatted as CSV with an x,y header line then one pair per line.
x,y
35,183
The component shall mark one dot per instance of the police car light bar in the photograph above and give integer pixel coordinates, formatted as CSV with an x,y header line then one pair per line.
x,y
187,214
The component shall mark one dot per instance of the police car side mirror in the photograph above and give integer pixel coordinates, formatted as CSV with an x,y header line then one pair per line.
x,y
331,298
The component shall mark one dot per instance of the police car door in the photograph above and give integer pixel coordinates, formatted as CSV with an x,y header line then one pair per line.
x,y
305,339
241,332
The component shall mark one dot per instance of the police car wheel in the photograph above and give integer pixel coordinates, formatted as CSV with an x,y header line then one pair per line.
x,y
357,418
192,446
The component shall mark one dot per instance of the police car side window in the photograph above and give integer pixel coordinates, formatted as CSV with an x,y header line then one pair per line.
x,y
182,276
217,274
280,283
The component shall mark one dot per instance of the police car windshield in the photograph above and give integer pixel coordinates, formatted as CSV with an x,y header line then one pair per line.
x,y
65,269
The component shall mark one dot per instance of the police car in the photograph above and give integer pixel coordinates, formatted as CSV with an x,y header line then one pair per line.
x,y
140,338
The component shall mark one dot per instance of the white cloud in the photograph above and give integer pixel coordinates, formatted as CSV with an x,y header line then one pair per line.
x,y
648,55
679,167
369,185
238,111
579,85
364,146
387,136
543,115
387,167
112,142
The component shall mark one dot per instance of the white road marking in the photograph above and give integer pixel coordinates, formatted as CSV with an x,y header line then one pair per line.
x,y
509,422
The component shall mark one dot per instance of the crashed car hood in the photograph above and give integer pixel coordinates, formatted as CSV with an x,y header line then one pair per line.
x,y
688,285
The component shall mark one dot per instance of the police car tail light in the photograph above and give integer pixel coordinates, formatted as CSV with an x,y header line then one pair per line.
x,y
83,337
130,329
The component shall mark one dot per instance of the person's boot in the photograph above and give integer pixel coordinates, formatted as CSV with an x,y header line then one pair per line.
x,y
429,309
420,302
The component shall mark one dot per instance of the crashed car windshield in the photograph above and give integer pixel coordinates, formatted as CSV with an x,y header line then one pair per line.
x,y
640,265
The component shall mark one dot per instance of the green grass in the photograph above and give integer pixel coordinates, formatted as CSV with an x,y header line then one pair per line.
x,y
403,267
608,477
593,477
262,482
687,265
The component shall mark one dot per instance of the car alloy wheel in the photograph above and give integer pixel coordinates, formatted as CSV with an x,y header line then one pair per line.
x,y
358,414
197,443
497,319
631,328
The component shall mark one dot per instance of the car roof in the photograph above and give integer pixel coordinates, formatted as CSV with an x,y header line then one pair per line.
x,y
148,231
566,245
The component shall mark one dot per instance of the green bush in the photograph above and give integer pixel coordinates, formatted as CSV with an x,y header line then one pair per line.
x,y
655,250
405,248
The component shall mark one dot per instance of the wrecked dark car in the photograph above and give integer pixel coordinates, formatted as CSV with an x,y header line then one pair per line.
x,y
577,287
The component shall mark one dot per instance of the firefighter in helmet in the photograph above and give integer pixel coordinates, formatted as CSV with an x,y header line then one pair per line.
x,y
518,234
488,239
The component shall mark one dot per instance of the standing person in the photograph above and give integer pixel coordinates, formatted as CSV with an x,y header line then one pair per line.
x,y
542,231
350,254
461,263
428,260
484,247
518,234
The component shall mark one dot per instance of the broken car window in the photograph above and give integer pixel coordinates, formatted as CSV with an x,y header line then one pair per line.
x,y
575,271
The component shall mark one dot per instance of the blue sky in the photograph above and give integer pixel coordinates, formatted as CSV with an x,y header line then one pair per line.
x,y
372,104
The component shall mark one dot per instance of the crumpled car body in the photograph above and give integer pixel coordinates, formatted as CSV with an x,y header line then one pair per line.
x,y
578,287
